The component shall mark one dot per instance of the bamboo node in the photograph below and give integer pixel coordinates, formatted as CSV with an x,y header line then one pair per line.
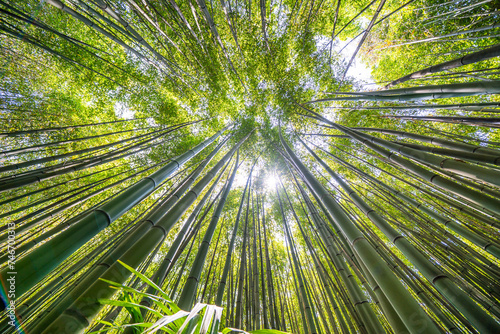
x,y
162,229
152,180
357,239
438,277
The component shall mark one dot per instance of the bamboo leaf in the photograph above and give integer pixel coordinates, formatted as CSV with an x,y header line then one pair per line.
x,y
193,313
127,304
146,280
162,322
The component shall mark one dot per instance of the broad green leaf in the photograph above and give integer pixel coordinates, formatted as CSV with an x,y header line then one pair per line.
x,y
145,280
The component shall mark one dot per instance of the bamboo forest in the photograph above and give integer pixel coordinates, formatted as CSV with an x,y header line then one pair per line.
x,y
250,166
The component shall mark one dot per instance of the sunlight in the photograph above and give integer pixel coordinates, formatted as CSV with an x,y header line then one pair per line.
x,y
240,180
122,111
270,182
359,70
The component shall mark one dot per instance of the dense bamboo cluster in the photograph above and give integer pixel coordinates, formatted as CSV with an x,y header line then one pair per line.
x,y
162,155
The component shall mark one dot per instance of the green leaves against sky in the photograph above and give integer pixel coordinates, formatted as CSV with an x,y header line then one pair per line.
x,y
98,96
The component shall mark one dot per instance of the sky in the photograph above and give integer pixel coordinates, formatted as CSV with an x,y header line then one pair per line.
x,y
358,69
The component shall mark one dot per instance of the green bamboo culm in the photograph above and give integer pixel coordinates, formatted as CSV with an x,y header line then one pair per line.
x,y
59,128
37,264
407,307
471,58
40,219
453,225
479,107
420,93
166,264
477,316
169,260
309,325
446,143
323,279
138,231
45,173
188,293
238,313
227,264
368,319
457,152
50,233
79,314
484,201
25,164
487,122
34,148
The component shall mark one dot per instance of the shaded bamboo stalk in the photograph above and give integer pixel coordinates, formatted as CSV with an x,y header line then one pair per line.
x,y
402,301
471,58
452,144
53,252
238,317
88,303
188,293
140,228
491,122
26,132
306,304
44,173
176,246
477,316
455,188
420,93
478,107
227,263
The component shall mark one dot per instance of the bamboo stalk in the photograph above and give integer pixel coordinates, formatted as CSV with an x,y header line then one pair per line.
x,y
53,252
88,303
471,58
188,293
402,301
479,318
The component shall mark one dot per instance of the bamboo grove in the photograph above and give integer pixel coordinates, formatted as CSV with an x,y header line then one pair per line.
x,y
163,156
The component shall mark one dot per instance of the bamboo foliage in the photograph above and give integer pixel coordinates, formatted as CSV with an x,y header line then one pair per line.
x,y
375,212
